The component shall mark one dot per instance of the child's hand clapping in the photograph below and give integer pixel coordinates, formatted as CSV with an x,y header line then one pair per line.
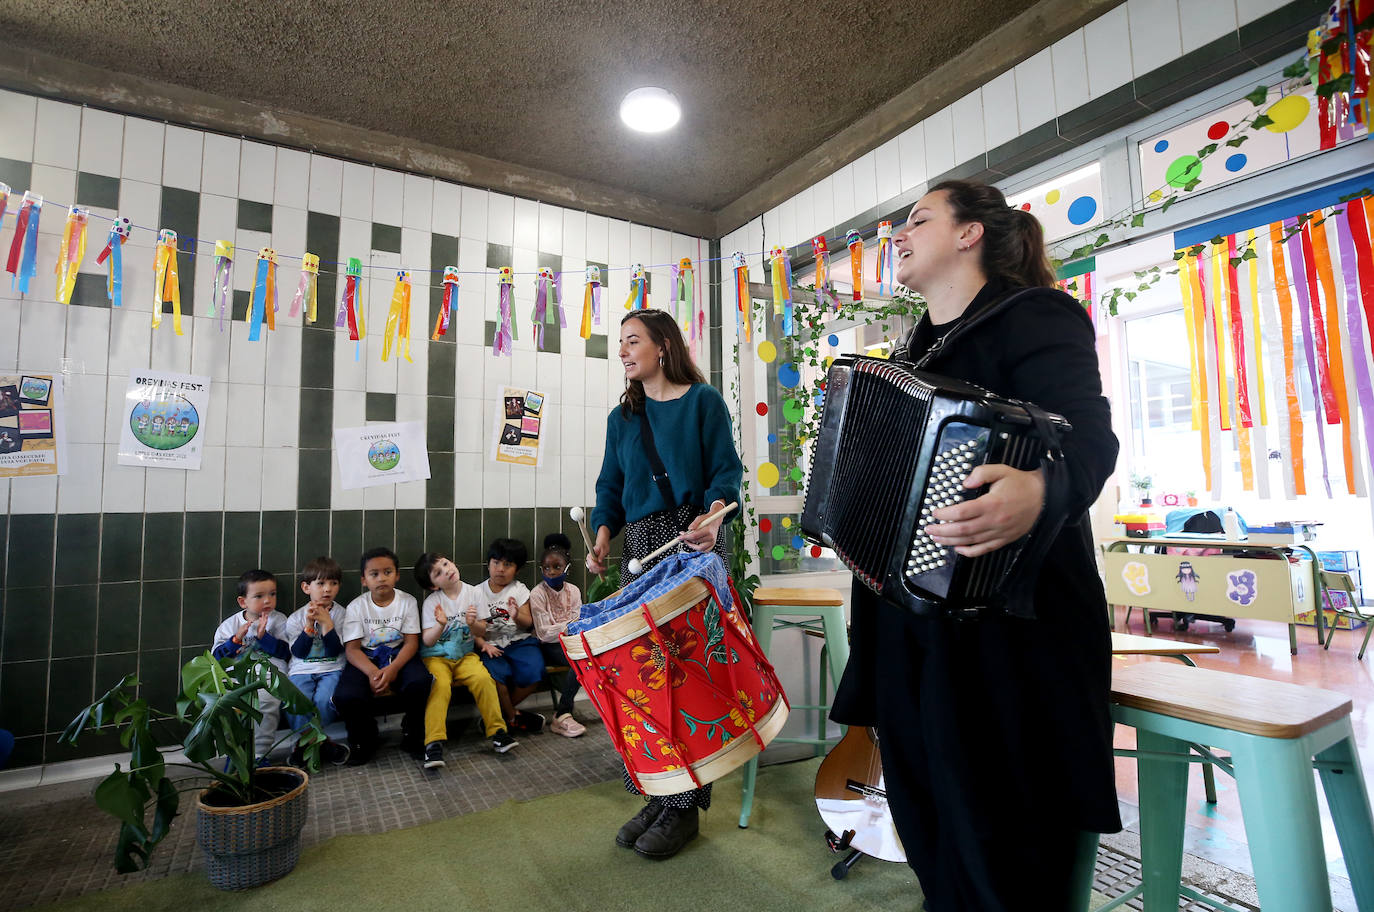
x,y
440,616
470,617
490,651
243,631
262,624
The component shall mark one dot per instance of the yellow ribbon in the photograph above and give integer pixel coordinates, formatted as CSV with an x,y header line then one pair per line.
x,y
74,233
166,287
398,317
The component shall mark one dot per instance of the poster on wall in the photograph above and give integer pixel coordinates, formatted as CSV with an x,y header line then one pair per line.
x,y
381,454
522,417
32,441
164,414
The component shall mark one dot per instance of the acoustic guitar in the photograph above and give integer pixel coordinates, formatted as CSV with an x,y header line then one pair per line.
x,y
852,800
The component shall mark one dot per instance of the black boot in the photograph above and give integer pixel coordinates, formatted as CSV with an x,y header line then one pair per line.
x,y
636,825
673,829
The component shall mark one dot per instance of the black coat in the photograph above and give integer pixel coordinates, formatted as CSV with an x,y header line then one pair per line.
x,y
995,733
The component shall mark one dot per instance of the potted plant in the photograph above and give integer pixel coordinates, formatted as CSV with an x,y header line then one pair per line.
x,y
1142,484
248,819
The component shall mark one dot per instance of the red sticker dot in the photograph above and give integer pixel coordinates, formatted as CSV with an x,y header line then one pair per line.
x,y
761,408
1218,130
815,550
1025,207
765,525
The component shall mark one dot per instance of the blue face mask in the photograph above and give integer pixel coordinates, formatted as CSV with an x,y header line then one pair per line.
x,y
556,582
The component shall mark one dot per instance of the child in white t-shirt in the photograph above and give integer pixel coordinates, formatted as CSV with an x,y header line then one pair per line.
x,y
317,658
509,651
554,604
448,624
257,626
381,636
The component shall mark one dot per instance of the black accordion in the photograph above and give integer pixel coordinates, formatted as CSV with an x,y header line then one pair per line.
x,y
896,444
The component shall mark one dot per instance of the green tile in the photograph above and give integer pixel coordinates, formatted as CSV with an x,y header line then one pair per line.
x,y
160,618
386,238
553,340
379,529
439,531
19,175
77,610
410,537
78,548
346,538
100,192
443,251
279,541
254,216
317,362
31,542
1283,30
380,407
322,239
239,306
1103,114
469,544
443,369
1184,76
488,333
121,547
313,468
162,546
110,669
473,573
1035,145
160,672
317,405
439,489
91,744
27,625
204,537
4,547
181,213
546,520
117,629
498,255
71,688
90,290
312,536
351,586
522,528
596,346
495,524
242,542
24,697
439,430
203,606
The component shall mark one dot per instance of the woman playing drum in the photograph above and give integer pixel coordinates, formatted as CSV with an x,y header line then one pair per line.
x,y
995,736
690,438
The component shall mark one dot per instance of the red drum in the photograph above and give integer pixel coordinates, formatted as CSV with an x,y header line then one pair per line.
x,y
673,667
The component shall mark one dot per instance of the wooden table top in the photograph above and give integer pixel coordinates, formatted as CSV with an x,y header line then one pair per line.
x,y
1134,644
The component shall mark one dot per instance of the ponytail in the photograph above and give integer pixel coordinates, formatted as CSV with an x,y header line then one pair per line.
x,y
1013,246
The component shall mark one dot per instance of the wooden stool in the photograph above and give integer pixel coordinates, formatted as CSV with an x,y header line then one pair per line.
x,y
1273,731
823,612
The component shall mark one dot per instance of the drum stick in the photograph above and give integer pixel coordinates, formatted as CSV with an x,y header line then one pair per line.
x,y
637,566
579,516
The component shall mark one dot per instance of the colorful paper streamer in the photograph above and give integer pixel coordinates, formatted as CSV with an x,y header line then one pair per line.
x,y
166,285
71,253
114,285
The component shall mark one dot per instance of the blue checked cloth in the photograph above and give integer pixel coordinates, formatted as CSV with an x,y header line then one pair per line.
x,y
660,579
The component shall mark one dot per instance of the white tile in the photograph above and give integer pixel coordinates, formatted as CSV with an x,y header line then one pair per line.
x,y
887,165
18,113
388,192
142,150
551,229
522,486
1208,22
350,373
83,397
357,192
1035,91
410,495
122,491
292,182
574,233
1250,10
182,154
999,110
823,218
1154,30
382,497
115,390
210,349
598,234
242,478
1070,73
219,168
205,488
326,184
618,252
247,360
787,224
865,182
57,135
473,220
447,209
88,339
970,141
1108,43
170,352
141,203
257,171
33,495
526,224
339,499
417,202
911,152
57,186
496,483
215,423
939,136
42,335
804,204
284,356
78,490
279,469
244,415
165,490
9,341
381,375
500,219
350,409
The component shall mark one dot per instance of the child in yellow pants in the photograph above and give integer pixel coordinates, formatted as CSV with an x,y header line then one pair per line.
x,y
447,626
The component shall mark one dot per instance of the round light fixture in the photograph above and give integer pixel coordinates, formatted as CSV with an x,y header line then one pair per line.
x,y
650,110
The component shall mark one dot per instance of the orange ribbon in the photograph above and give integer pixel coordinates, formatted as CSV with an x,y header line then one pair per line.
x,y
1321,252
1290,382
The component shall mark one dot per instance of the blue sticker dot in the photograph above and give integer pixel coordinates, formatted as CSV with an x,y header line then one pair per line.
x,y
833,339
1082,209
797,541
788,375
1161,145
1236,162
772,438
819,398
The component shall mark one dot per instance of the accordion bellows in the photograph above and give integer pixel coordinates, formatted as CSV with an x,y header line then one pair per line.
x,y
896,444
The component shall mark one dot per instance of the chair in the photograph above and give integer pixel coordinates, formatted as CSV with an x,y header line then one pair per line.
x,y
1334,581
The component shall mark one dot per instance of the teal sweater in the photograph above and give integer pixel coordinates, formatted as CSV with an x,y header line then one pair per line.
x,y
695,440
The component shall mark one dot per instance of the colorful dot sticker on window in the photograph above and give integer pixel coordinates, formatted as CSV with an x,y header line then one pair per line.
x,y
1025,207
788,375
795,474
787,522
1052,197
1156,196
797,542
765,525
1288,112
1082,210
815,550
761,408
792,411
779,552
833,339
767,351
1183,171
1218,130
1235,162
767,475
1161,145
772,438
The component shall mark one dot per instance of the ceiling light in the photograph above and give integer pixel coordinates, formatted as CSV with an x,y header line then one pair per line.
x,y
650,110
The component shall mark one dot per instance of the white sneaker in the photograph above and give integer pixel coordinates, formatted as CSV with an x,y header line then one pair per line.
x,y
567,726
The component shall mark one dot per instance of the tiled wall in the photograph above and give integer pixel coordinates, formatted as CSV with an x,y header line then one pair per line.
x,y
112,569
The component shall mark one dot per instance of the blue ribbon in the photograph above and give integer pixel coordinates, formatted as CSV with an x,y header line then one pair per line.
x,y
28,266
116,271
258,303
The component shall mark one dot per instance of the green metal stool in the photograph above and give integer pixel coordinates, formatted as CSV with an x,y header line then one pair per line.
x,y
1275,733
823,611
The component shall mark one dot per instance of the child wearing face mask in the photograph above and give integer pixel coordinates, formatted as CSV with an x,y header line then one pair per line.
x,y
554,603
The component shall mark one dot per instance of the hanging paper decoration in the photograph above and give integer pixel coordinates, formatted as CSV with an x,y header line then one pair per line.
x,y
219,291
855,241
448,305
742,297
1364,395
23,260
548,305
71,253
263,304
639,289
305,291
684,294
398,317
782,287
505,329
886,258
350,302
591,302
119,233
166,285
1281,308
4,200
825,289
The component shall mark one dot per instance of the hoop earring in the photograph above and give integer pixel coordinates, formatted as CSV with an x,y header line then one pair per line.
x,y
660,360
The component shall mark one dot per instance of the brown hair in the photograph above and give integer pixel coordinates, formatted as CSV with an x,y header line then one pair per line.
x,y
678,366
322,568
1013,242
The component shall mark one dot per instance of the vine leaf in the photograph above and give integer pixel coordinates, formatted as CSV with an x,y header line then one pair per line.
x,y
1238,141
1296,70
1168,202
1263,120
1259,96
1138,220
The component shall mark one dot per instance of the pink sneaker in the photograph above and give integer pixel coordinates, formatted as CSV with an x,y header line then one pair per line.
x,y
567,726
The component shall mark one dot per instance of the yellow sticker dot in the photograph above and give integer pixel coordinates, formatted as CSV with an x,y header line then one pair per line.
x,y
767,475
1052,197
1288,112
767,351
829,360
1156,196
787,522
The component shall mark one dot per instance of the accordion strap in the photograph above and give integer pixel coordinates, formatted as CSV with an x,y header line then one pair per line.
x,y
984,313
1025,570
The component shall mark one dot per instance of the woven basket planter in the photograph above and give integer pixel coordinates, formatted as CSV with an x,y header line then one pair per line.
x,y
249,846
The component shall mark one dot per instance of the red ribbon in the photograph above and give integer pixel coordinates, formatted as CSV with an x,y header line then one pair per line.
x,y
21,227
1237,337
1309,259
